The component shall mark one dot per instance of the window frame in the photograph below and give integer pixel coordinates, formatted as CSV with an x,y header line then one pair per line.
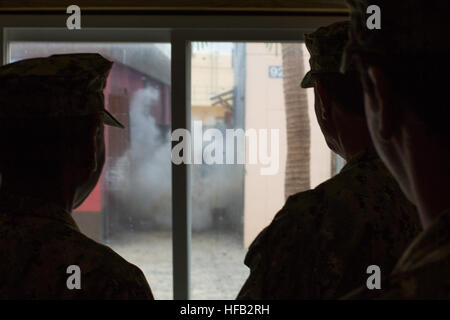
x,y
179,31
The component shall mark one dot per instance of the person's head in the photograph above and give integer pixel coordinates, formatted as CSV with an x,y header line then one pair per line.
x,y
402,67
69,152
339,104
51,125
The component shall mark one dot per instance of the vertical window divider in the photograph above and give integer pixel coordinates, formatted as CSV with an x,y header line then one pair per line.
x,y
181,177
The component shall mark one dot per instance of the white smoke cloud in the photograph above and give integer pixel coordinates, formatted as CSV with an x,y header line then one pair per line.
x,y
142,181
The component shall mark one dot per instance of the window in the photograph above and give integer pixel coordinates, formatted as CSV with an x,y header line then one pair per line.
x,y
186,226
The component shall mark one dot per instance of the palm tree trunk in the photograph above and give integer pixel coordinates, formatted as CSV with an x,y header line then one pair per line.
x,y
297,120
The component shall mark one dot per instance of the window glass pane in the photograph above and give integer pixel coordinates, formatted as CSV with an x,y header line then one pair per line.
x,y
130,209
254,87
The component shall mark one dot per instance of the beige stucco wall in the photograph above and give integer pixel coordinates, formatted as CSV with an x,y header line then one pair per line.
x,y
211,73
264,109
264,195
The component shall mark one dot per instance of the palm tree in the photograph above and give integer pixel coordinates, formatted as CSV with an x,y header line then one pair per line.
x,y
297,120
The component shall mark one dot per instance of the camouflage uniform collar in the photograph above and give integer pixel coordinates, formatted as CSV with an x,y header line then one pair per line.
x,y
30,207
369,154
425,248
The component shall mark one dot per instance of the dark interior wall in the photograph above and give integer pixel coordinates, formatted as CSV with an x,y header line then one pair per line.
x,y
333,6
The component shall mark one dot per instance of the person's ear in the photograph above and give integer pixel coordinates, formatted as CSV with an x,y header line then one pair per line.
x,y
383,105
324,100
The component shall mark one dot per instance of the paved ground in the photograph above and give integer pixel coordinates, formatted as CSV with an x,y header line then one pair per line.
x,y
217,270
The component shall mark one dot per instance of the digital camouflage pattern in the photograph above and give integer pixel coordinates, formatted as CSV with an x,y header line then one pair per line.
x,y
322,241
39,240
64,85
423,270
325,46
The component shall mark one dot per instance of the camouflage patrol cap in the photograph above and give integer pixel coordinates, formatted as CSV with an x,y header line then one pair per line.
x,y
325,45
67,85
412,32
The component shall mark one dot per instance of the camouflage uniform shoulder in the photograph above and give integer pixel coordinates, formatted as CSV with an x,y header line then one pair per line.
x,y
422,271
339,197
39,241
356,217
348,191
107,273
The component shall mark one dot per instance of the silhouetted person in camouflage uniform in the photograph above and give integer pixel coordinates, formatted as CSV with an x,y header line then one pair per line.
x,y
52,154
322,241
404,67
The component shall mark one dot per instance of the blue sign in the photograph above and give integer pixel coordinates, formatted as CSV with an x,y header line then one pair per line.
x,y
275,72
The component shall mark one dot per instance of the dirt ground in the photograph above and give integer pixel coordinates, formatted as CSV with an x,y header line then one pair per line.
x,y
217,262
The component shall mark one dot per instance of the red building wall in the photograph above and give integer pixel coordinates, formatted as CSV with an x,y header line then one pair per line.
x,y
122,82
